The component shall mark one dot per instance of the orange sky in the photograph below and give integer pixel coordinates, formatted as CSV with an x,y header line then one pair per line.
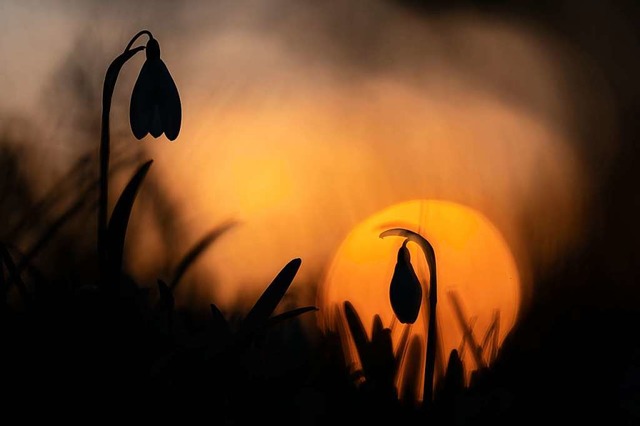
x,y
301,133
301,172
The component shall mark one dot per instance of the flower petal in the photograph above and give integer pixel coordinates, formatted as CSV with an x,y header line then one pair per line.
x,y
140,109
405,291
169,101
156,121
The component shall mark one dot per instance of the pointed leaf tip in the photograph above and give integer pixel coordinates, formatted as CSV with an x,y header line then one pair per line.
x,y
219,320
271,297
166,295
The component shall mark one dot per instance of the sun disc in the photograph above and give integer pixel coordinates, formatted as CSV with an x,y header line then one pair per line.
x,y
478,280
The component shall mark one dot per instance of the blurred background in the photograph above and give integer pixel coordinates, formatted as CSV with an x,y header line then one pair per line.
x,y
303,119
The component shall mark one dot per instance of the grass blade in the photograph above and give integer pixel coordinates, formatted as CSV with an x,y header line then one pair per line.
x,y
410,392
491,346
198,249
463,342
267,303
359,334
452,383
45,207
119,221
291,314
466,330
377,327
496,335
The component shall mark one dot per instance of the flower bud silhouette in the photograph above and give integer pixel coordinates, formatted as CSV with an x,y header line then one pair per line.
x,y
155,102
405,291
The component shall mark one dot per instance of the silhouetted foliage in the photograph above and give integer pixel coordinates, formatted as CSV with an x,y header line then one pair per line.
x,y
451,388
411,379
376,355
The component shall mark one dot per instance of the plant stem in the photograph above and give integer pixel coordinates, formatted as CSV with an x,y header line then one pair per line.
x,y
107,94
432,337
137,36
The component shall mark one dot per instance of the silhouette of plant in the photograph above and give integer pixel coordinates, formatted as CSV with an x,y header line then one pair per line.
x,y
223,352
450,388
155,104
155,108
260,316
431,324
410,391
381,370
379,364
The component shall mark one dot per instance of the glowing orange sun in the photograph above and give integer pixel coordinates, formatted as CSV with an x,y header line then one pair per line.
x,y
478,282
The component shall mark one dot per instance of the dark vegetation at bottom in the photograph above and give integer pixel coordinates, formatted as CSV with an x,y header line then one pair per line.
x,y
77,349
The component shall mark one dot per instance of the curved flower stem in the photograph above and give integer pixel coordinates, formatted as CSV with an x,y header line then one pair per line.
x,y
137,36
432,298
107,93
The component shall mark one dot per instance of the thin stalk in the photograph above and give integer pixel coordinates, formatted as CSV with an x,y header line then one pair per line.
x,y
107,94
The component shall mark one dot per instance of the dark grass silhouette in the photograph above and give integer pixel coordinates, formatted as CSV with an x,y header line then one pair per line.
x,y
104,332
110,345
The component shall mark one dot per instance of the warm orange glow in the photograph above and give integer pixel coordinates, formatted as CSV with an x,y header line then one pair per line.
x,y
300,154
473,260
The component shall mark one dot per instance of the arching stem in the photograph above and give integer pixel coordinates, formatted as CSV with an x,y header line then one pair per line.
x,y
107,94
432,298
137,36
